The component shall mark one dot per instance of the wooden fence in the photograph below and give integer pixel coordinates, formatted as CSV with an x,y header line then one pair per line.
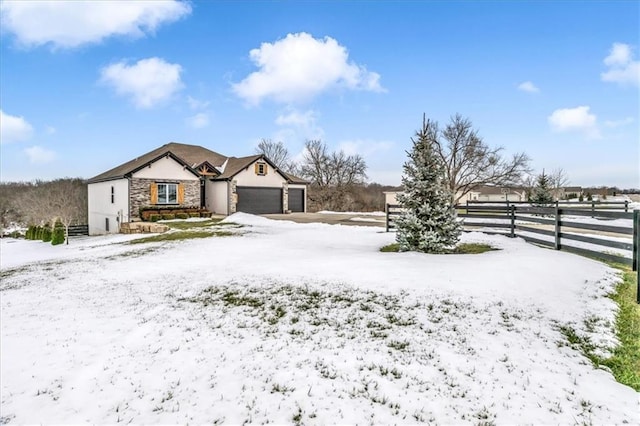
x,y
561,226
76,230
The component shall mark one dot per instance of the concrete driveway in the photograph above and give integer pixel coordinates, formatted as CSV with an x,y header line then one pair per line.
x,y
331,218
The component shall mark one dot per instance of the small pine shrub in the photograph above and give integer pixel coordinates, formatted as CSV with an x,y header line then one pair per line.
x,y
31,230
581,198
46,234
168,216
58,234
154,217
39,231
182,216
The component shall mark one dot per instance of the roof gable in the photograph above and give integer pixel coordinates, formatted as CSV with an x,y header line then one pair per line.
x,y
236,165
198,160
187,155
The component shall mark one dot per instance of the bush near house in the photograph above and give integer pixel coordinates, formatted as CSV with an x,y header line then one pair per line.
x,y
168,216
58,236
147,212
46,234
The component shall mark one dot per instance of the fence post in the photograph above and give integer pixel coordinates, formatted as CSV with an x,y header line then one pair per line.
x,y
636,255
467,209
386,210
626,206
513,221
593,209
557,239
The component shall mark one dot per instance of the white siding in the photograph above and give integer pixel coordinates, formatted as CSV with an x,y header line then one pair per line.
x,y
390,198
248,177
165,169
216,197
101,207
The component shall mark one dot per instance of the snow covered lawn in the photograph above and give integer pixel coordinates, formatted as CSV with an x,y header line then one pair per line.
x,y
302,323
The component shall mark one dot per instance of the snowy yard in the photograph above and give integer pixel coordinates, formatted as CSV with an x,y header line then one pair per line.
x,y
302,323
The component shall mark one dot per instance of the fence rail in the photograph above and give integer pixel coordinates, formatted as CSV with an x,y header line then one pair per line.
x,y
77,230
560,225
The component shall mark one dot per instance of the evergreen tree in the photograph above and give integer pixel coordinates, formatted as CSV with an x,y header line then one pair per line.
x,y
542,194
428,221
46,233
58,234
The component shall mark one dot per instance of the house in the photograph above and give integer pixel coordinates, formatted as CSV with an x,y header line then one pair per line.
x,y
179,175
480,193
567,192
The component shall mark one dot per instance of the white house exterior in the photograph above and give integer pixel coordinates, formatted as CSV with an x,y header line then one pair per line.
x,y
108,206
180,177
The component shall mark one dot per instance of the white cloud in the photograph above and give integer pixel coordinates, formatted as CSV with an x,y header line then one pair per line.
x,y
148,82
14,128
297,118
364,147
197,104
68,24
298,126
619,123
528,86
50,130
622,68
299,67
40,155
575,119
198,121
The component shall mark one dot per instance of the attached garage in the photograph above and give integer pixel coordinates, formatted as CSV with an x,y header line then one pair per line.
x,y
296,200
259,200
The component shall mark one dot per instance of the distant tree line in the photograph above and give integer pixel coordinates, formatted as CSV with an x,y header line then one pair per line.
x,y
41,203
337,181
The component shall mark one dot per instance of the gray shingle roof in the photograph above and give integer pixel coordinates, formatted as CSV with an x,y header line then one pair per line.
x,y
188,155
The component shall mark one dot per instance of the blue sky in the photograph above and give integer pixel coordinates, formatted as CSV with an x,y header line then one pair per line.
x,y
87,86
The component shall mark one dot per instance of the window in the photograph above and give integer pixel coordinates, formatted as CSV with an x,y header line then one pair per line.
x,y
167,193
261,169
112,195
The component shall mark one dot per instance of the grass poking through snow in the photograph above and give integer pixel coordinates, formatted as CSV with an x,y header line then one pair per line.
x,y
181,235
624,361
464,248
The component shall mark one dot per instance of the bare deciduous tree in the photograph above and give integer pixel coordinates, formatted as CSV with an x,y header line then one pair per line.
x,y
330,173
277,153
558,179
469,162
61,199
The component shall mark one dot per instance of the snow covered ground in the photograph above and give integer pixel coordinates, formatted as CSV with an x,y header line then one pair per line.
x,y
302,323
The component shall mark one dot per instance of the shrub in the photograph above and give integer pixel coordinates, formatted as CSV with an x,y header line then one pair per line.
x,y
581,198
168,216
194,214
154,217
46,234
205,214
31,232
182,216
58,234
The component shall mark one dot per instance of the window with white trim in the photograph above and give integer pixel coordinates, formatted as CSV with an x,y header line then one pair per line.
x,y
167,193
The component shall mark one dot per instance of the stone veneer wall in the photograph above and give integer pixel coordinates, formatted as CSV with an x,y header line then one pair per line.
x,y
140,194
